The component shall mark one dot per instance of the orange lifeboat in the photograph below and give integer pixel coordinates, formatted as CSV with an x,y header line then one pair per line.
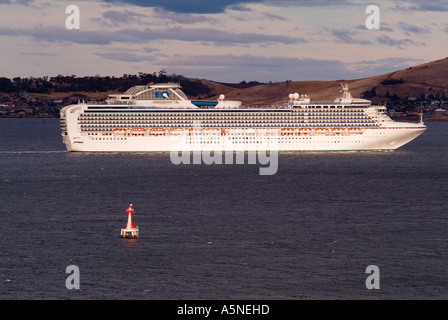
x,y
195,131
338,130
287,130
157,131
355,130
138,130
321,130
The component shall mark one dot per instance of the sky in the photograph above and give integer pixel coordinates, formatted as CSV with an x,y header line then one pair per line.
x,y
225,40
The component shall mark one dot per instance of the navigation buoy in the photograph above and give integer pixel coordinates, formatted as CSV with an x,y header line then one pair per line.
x,y
129,231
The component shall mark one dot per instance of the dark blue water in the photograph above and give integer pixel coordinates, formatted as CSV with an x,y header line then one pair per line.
x,y
221,231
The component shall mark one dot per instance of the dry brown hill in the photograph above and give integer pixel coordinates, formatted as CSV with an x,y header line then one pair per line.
x,y
427,78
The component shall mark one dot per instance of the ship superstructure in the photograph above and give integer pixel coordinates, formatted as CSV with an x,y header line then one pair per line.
x,y
160,118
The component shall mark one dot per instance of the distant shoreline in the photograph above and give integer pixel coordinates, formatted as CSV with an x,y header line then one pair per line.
x,y
417,119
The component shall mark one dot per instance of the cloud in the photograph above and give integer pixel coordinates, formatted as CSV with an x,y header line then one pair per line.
x,y
44,54
434,6
271,16
26,3
219,6
345,36
22,2
123,56
383,27
231,67
182,18
113,18
123,17
408,28
210,35
56,34
239,7
386,40
186,6
422,5
220,36
277,39
385,65
104,37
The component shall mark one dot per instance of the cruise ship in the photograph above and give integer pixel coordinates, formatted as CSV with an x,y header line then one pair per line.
x,y
160,118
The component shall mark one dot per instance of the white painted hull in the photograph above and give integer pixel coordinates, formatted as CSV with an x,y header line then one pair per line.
x,y
370,139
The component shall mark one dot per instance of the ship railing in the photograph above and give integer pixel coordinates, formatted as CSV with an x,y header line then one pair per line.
x,y
263,106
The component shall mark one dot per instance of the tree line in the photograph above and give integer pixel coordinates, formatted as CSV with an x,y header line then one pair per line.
x,y
97,83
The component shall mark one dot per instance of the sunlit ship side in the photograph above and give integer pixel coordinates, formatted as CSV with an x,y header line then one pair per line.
x,y
160,118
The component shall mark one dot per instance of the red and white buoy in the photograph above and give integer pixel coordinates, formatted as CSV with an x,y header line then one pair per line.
x,y
129,231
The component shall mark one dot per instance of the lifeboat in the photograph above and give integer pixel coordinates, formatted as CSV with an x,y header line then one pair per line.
x,y
338,130
355,130
287,131
117,131
321,130
305,130
193,131
157,131
138,130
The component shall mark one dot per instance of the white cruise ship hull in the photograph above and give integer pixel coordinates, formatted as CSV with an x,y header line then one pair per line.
x,y
370,139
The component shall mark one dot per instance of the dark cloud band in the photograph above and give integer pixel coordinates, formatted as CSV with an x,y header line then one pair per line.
x,y
186,6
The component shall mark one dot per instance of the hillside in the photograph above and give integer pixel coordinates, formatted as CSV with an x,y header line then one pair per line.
x,y
419,87
428,78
